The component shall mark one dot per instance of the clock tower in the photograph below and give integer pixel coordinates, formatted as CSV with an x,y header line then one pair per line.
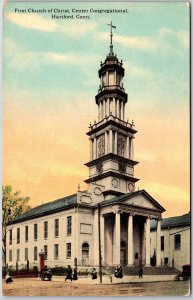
x,y
111,138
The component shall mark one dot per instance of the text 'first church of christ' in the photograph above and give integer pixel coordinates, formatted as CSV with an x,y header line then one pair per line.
x,y
67,229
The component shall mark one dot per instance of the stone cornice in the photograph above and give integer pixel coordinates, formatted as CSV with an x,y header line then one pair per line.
x,y
111,156
113,174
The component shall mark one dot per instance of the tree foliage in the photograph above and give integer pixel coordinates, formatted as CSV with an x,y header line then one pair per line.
x,y
13,205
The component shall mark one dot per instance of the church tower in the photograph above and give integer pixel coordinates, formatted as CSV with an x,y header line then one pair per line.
x,y
112,161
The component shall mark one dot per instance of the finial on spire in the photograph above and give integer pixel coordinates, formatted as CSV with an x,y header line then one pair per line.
x,y
111,38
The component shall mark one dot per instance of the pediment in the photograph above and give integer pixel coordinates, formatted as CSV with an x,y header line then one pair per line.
x,y
144,200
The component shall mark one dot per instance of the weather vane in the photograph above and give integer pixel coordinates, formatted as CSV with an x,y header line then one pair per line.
x,y
111,37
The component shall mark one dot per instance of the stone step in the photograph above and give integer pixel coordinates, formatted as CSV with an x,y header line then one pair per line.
x,y
150,270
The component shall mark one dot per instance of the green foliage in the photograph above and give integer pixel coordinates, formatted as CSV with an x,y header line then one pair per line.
x,y
13,205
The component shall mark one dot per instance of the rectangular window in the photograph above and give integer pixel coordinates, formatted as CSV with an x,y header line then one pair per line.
x,y
177,242
45,230
46,252
69,225
68,250
10,237
56,252
26,253
18,254
35,232
35,253
18,235
10,255
26,233
162,243
56,227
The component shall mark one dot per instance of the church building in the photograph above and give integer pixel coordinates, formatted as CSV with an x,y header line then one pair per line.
x,y
111,216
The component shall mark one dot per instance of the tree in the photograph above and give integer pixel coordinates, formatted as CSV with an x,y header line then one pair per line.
x,y
13,205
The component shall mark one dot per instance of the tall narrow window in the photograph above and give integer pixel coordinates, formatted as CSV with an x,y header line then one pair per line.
x,y
69,225
56,252
101,145
162,243
68,250
26,253
35,253
45,230
26,233
121,145
35,232
10,236
18,235
18,254
177,242
46,252
56,227
10,255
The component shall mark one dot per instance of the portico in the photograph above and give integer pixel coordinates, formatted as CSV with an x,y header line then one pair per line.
x,y
125,230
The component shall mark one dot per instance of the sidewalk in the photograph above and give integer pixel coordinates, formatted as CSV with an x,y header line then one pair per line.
x,y
114,280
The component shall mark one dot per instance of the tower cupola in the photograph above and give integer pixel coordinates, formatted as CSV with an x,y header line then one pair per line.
x,y
112,161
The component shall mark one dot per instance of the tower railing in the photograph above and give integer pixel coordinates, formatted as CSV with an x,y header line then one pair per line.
x,y
111,87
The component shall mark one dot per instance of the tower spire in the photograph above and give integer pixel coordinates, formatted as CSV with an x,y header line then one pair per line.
x,y
111,38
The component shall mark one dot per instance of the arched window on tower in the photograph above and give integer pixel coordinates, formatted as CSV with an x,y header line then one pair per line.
x,y
121,143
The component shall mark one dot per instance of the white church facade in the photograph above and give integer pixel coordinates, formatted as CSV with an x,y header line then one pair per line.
x,y
68,229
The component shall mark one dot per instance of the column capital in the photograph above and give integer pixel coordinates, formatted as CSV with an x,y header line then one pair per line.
x,y
131,214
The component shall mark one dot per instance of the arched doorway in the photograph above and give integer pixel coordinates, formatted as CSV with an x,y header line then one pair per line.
x,y
123,253
85,252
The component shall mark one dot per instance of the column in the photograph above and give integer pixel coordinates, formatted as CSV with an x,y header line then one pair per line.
x,y
110,141
99,111
123,111
106,142
147,242
127,147
76,234
94,149
131,148
96,239
91,149
107,107
115,147
130,240
115,111
102,221
158,237
117,238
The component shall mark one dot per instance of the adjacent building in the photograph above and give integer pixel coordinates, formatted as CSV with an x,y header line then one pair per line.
x,y
175,240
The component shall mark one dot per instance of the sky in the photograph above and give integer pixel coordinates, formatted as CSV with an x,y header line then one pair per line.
x,y
50,79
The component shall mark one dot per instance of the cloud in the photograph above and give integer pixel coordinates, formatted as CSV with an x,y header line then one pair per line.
x,y
37,22
166,39
34,21
20,59
134,70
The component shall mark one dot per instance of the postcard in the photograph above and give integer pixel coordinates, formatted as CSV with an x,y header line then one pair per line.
x,y
96,149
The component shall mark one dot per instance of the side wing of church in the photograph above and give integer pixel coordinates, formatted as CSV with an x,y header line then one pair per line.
x,y
67,229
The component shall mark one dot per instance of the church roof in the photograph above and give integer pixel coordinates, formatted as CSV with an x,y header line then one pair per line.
x,y
178,221
47,208
127,196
